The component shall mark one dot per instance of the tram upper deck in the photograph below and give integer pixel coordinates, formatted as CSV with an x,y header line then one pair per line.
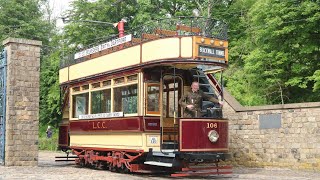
x,y
186,41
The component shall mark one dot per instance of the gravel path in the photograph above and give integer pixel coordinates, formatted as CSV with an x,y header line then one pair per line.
x,y
49,169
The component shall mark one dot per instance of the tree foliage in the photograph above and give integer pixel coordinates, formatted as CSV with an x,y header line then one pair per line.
x,y
27,19
273,45
277,54
24,19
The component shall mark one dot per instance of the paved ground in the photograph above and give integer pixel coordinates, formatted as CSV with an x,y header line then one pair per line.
x,y
48,169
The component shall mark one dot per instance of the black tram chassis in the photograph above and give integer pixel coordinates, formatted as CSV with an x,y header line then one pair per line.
x,y
204,156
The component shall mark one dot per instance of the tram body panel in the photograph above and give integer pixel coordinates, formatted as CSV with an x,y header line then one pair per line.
x,y
186,47
194,135
167,48
120,133
127,57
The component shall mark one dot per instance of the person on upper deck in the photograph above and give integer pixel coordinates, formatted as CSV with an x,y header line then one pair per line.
x,y
191,102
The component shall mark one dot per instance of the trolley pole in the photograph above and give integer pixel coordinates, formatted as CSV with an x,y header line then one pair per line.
x,y
121,28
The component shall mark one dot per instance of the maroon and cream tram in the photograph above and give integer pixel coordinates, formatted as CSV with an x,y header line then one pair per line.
x,y
120,99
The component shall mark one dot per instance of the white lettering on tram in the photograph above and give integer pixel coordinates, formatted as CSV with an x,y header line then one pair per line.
x,y
103,46
219,52
206,50
101,115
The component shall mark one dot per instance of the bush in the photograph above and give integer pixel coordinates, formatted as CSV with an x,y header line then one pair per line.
x,y
50,144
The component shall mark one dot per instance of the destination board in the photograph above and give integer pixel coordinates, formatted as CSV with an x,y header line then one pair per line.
x,y
103,46
211,51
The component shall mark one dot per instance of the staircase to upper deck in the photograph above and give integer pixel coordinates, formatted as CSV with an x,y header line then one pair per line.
x,y
210,85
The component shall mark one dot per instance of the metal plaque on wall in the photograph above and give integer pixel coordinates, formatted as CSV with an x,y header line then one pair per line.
x,y
270,121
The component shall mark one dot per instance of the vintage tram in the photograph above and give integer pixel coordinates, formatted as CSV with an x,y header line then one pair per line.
x,y
120,99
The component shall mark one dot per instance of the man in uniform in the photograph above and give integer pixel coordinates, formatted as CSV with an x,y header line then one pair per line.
x,y
191,101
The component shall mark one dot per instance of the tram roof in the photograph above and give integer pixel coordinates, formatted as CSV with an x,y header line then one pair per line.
x,y
182,40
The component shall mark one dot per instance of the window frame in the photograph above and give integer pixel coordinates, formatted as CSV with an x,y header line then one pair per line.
x,y
152,113
128,84
179,90
73,104
101,88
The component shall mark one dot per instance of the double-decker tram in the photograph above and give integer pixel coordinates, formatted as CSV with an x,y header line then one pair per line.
x,y
122,100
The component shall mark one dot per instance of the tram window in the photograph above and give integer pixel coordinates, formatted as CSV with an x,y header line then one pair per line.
x,y
153,99
119,80
76,89
126,99
101,101
132,78
85,87
96,85
80,104
173,94
164,101
106,83
170,98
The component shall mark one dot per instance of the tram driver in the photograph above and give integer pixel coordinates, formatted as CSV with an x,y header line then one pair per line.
x,y
192,100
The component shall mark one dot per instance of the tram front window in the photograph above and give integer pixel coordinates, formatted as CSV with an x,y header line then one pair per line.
x,y
125,99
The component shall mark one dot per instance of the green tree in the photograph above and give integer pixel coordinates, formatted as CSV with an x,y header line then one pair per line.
x,y
79,32
24,19
280,51
28,19
50,112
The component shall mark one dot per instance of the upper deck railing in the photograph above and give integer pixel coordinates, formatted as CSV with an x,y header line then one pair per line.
x,y
161,28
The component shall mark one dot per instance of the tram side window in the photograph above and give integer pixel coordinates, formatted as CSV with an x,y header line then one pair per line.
x,y
153,99
101,101
126,99
80,104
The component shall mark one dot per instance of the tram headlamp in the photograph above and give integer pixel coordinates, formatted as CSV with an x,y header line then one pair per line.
x,y
213,136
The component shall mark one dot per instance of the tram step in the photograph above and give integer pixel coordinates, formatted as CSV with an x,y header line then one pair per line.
x,y
169,145
169,154
65,158
154,163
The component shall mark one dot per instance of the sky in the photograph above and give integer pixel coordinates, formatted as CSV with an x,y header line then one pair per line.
x,y
59,6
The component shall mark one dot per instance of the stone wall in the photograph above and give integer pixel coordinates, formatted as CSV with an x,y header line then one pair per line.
x,y
295,144
22,111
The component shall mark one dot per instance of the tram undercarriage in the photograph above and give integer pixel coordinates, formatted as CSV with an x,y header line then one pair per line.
x,y
175,164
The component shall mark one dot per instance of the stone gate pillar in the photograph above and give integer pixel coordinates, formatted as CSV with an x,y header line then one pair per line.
x,y
22,105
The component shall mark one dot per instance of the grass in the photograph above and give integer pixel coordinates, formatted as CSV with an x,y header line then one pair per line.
x,y
45,143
